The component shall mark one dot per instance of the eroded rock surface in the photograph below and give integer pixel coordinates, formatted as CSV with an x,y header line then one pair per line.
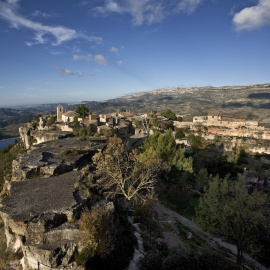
x,y
55,157
31,135
39,220
46,197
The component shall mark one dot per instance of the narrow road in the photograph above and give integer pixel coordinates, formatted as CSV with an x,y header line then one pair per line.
x,y
169,216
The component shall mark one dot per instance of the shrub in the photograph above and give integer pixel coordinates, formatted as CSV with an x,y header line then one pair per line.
x,y
179,134
51,120
82,257
152,261
97,230
69,153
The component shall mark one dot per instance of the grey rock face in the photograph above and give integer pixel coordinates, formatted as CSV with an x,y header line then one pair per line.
x,y
31,136
38,217
54,158
46,196
32,197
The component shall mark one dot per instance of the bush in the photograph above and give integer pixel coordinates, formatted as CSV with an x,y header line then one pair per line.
x,y
36,118
7,155
69,153
82,257
179,134
151,261
51,120
142,212
97,230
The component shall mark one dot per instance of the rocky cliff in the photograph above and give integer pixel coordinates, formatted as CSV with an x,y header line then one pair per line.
x,y
30,134
45,198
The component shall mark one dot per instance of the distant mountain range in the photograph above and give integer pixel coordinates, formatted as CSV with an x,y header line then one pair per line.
x,y
249,101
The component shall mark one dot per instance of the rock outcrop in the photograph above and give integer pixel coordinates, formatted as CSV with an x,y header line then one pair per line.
x,y
45,199
40,220
55,157
31,135
38,217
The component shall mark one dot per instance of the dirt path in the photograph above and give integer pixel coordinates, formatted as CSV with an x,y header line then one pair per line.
x,y
167,217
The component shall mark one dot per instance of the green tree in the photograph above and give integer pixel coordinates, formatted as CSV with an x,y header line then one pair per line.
x,y
129,175
83,111
202,180
179,134
153,118
227,209
169,114
169,151
180,118
195,141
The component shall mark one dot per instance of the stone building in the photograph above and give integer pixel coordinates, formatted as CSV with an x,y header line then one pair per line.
x,y
60,110
69,116
63,116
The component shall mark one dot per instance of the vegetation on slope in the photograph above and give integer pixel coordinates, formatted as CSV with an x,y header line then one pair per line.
x,y
7,155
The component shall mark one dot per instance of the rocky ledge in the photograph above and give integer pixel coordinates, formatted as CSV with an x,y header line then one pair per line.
x,y
39,221
55,157
44,201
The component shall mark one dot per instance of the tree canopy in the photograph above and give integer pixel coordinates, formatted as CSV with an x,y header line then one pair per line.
x,y
169,114
83,111
169,151
227,209
129,175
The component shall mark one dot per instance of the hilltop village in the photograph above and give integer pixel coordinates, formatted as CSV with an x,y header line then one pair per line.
x,y
211,128
119,190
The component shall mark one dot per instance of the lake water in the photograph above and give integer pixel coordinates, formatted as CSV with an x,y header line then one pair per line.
x,y
6,143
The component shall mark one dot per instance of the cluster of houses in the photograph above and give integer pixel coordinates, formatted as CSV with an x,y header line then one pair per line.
x,y
215,118
116,123
122,124
216,124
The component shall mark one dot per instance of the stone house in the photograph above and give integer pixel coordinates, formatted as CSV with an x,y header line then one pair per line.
x,y
217,119
69,116
122,130
66,117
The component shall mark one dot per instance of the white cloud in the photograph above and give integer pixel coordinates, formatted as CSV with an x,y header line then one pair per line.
x,y
114,49
100,59
63,72
38,13
79,73
188,6
253,17
147,11
87,57
60,34
92,74
54,52
109,6
120,62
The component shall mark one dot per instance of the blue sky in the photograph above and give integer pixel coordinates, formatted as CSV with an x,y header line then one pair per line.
x,y
71,51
